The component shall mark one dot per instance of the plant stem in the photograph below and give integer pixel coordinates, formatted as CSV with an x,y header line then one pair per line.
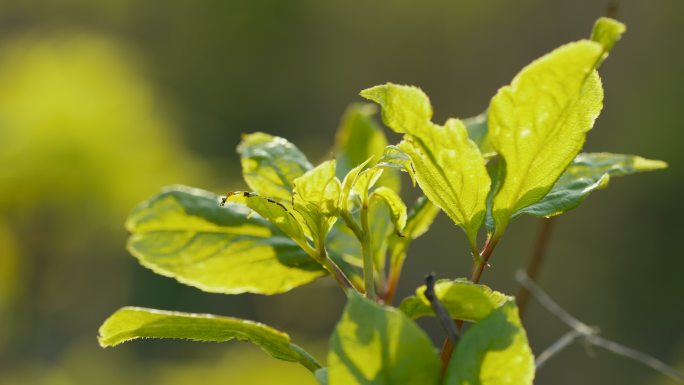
x,y
535,262
335,271
368,269
478,268
393,278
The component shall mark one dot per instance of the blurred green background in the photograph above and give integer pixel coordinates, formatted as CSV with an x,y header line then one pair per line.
x,y
104,102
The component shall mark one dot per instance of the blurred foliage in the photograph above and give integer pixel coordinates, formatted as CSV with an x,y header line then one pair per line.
x,y
102,103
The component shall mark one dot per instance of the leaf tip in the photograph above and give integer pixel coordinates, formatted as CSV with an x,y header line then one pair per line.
x,y
607,32
643,164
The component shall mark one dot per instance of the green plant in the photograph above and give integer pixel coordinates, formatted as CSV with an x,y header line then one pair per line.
x,y
345,218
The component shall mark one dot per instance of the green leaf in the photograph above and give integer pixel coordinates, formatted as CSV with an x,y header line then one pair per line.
x,y
607,32
358,138
316,198
494,351
346,198
395,159
379,345
463,300
183,233
588,172
538,124
130,323
274,212
405,109
448,166
396,206
271,164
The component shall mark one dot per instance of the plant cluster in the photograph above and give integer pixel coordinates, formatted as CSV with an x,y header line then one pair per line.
x,y
345,218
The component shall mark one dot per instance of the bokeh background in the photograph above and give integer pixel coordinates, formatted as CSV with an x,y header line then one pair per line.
x,y
104,102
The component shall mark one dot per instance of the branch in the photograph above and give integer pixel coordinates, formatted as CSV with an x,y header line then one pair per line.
x,y
588,334
439,309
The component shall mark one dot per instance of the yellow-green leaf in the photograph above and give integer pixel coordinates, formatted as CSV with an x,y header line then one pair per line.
x,y
270,164
378,345
183,233
463,300
448,166
130,323
316,198
273,211
494,351
588,172
397,207
539,122
451,172
607,32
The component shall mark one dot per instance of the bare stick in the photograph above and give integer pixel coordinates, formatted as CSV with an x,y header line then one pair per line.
x,y
638,356
560,344
441,312
588,334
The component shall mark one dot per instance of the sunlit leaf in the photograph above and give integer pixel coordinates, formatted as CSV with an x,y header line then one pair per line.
x,y
183,233
588,172
273,211
539,122
397,207
394,158
316,199
448,166
130,323
379,345
271,164
463,300
494,351
607,32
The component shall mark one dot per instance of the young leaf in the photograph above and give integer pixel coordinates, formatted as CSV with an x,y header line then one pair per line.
x,y
607,32
131,323
463,300
448,166
183,233
539,122
273,211
588,172
358,138
396,206
494,351
377,345
271,164
316,198
418,221
395,159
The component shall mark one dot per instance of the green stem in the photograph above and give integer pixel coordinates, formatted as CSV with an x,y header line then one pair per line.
x,y
368,269
336,272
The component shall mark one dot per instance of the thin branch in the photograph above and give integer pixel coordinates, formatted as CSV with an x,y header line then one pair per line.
x,y
638,356
551,305
439,309
560,344
533,267
588,334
